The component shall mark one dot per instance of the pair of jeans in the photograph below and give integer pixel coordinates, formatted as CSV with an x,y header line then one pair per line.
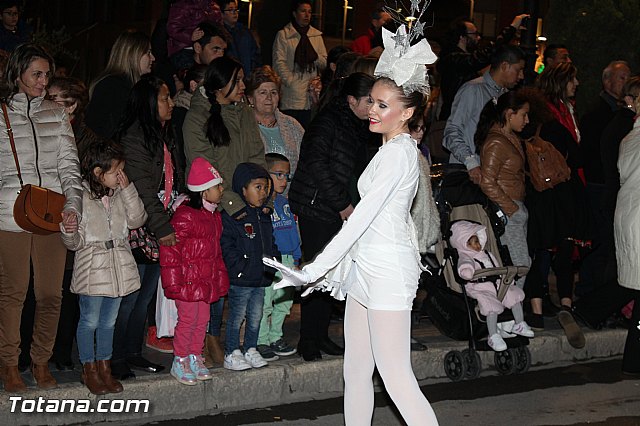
x,y
188,337
97,318
129,330
215,320
277,305
244,303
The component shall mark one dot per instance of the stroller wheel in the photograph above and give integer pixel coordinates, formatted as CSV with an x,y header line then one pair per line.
x,y
522,359
474,364
455,366
505,361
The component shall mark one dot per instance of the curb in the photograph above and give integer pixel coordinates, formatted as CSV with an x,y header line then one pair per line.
x,y
279,383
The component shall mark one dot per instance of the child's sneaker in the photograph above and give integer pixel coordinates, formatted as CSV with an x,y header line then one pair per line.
x,y
254,359
497,343
197,366
181,370
267,353
522,329
235,361
280,347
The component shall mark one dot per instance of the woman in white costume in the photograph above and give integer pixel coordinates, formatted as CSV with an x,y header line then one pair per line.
x,y
374,259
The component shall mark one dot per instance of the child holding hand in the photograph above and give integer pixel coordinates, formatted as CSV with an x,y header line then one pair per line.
x,y
104,269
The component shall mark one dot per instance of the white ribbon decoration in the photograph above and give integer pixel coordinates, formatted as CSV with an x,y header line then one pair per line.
x,y
404,64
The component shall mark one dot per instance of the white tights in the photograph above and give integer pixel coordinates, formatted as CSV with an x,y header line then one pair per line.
x,y
380,338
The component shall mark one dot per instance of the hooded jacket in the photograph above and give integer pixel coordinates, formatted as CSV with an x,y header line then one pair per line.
x,y
46,152
193,270
468,259
245,241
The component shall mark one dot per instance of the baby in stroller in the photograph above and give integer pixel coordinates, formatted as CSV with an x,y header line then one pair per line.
x,y
469,240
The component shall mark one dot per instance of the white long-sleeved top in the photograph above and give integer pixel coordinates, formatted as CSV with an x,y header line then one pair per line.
x,y
379,236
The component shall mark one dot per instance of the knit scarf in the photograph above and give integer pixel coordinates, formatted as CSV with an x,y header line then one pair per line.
x,y
305,55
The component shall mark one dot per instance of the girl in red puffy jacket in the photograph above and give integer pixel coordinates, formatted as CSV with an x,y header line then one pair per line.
x,y
193,271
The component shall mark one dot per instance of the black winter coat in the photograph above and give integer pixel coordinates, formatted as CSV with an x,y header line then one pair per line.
x,y
320,187
592,125
145,169
107,104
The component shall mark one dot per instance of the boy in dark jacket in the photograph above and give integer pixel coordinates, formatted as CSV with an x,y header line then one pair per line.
x,y
245,240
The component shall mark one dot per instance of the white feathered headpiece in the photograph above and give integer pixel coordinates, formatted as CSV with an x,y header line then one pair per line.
x,y
401,62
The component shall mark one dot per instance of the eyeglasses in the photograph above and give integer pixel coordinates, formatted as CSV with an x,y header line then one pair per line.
x,y
232,11
280,176
11,13
475,33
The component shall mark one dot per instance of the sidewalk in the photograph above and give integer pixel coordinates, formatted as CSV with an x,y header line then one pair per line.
x,y
286,380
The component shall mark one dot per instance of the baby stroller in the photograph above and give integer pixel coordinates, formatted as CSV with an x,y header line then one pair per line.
x,y
452,311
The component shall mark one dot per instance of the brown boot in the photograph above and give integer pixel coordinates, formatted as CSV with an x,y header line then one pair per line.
x,y
214,348
92,380
12,380
104,371
43,377
208,359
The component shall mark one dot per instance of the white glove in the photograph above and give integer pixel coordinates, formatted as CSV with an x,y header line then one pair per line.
x,y
290,277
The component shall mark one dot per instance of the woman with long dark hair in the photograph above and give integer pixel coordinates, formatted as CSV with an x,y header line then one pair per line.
x,y
320,193
222,129
557,216
146,136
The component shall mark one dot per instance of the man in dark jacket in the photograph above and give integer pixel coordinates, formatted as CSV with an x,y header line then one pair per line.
x,y
462,60
242,45
592,125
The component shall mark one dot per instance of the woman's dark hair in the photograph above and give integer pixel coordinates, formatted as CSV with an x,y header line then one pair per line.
x,y
19,61
101,154
357,85
332,58
553,81
219,73
295,4
195,199
74,91
497,114
195,73
142,106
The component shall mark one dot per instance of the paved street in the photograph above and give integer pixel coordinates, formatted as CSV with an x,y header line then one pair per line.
x,y
577,394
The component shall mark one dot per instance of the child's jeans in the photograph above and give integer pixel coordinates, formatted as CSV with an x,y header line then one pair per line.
x,y
97,317
244,302
215,322
188,336
277,305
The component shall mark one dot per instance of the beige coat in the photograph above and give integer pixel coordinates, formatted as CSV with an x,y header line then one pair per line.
x,y
99,270
46,151
295,84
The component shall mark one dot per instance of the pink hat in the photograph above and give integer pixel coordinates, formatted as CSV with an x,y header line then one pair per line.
x,y
202,176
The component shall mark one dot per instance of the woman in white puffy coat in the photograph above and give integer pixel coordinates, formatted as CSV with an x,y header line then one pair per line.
x,y
627,237
47,156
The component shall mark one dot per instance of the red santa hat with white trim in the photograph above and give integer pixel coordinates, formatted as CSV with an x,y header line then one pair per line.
x,y
202,176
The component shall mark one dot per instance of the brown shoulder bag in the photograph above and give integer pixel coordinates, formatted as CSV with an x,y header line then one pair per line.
x,y
547,167
37,209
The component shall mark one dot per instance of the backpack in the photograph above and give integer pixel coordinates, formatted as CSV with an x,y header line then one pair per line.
x,y
547,167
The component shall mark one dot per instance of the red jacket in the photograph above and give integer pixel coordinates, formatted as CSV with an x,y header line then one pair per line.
x,y
184,17
194,270
362,44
